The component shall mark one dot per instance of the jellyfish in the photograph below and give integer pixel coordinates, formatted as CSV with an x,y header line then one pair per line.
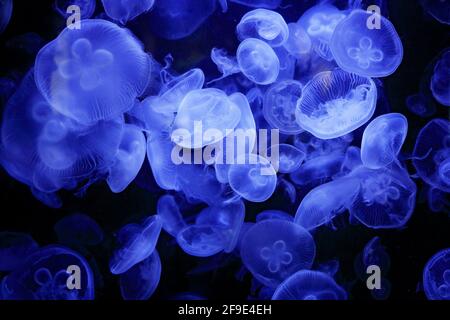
x,y
290,158
309,285
257,61
226,64
252,177
382,140
346,104
436,276
275,249
266,4
330,267
374,51
50,199
440,81
287,64
6,8
125,11
45,276
128,160
438,9
420,105
141,281
136,243
298,43
202,240
431,155
87,7
15,248
79,71
273,215
438,200
280,103
170,215
315,147
78,230
374,253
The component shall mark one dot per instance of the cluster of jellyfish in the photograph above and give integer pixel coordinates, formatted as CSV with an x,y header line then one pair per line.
x,y
97,107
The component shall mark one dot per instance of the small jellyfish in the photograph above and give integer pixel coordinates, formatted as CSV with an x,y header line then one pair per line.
x,y
335,103
226,64
170,215
258,62
280,102
79,71
374,253
275,249
439,9
64,7
438,200
287,64
263,24
436,276
202,240
382,140
420,105
273,215
15,248
290,158
309,285
6,8
78,230
266,4
370,52
440,81
299,43
125,11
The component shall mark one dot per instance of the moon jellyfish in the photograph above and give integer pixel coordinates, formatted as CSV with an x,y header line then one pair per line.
x,y
352,160
335,103
290,158
225,64
382,140
141,281
126,11
274,215
87,7
438,200
267,4
374,253
170,215
298,43
136,243
79,71
275,249
280,103
45,276
202,240
439,9
268,26
78,230
436,276
309,285
258,61
431,156
253,178
440,81
15,248
6,8
420,105
369,52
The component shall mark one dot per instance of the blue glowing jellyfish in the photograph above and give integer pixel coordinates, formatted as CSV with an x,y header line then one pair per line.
x,y
382,140
141,281
15,248
6,8
79,71
439,9
226,64
274,249
352,160
125,11
374,253
170,215
440,81
50,199
438,200
298,43
78,230
365,49
346,104
436,276
287,64
267,4
258,61
202,240
420,105
136,243
65,9
290,158
274,214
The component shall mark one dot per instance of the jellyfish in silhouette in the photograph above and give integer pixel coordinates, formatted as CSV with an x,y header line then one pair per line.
x,y
309,285
78,230
438,200
348,102
275,249
280,102
170,215
420,105
136,243
125,11
79,71
382,140
45,276
298,43
290,158
253,178
431,156
325,202
258,61
128,160
202,240
141,280
440,81
266,4
15,248
29,43
263,24
436,276
274,215
438,9
50,199
87,7
6,8
374,51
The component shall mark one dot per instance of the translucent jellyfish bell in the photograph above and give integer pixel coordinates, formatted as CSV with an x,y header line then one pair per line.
x,y
290,158
78,230
226,64
79,71
202,240
273,215
335,103
14,249
258,61
439,9
420,105
6,8
309,285
170,215
87,7
274,249
382,140
125,11
299,43
440,81
267,4
436,276
371,52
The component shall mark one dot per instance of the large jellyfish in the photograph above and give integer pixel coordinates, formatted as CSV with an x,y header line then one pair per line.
x,y
290,158
309,285
267,4
274,249
125,11
202,240
15,249
87,7
382,140
78,230
436,276
6,8
94,73
299,43
439,9
367,49
440,81
335,103
170,215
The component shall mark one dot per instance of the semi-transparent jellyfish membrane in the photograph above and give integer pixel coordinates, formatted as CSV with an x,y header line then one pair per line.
x,y
352,160
257,61
136,242
44,276
315,147
431,155
309,285
266,4
374,253
280,102
141,280
335,103
438,200
87,7
420,105
266,25
226,64
78,230
79,72
440,81
299,43
15,248
202,240
290,158
370,52
319,22
439,9
287,64
124,11
274,215
6,8
170,215
275,249
436,276
382,140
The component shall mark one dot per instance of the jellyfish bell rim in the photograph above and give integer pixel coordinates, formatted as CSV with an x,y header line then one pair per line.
x,y
427,277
